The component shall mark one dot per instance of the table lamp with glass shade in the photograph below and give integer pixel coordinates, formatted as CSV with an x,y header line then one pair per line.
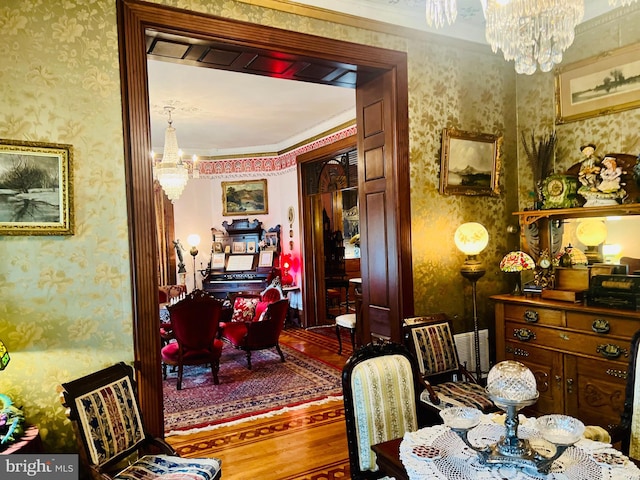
x,y
471,239
514,263
194,240
592,233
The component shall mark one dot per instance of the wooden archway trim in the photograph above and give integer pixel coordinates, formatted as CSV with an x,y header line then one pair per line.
x,y
134,18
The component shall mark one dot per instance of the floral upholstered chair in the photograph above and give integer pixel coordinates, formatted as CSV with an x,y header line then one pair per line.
x,y
104,411
379,402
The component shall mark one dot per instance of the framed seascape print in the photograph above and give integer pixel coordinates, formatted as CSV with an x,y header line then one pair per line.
x,y
604,84
36,188
469,163
248,197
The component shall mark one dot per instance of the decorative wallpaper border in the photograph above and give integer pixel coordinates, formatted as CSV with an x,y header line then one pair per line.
x,y
270,165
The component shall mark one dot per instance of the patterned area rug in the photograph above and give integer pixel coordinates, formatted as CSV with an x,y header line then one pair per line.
x,y
270,385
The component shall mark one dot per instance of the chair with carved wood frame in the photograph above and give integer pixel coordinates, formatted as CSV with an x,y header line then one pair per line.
x,y
113,443
195,322
379,402
448,382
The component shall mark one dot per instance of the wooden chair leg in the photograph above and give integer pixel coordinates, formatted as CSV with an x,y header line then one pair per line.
x,y
353,338
249,359
179,386
215,367
280,352
339,339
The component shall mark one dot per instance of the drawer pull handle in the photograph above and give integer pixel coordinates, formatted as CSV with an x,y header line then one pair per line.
x,y
518,352
600,325
617,373
524,334
611,350
531,316
570,385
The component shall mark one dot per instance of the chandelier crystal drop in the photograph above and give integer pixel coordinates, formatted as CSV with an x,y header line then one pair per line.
x,y
440,10
171,172
532,32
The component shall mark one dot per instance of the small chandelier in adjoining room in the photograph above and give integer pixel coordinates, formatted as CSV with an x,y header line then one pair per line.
x,y
440,10
170,171
532,32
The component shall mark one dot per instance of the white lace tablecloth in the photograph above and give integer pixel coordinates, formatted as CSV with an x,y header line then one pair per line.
x,y
447,457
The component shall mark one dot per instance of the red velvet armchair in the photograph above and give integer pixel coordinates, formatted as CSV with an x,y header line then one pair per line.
x,y
260,333
195,328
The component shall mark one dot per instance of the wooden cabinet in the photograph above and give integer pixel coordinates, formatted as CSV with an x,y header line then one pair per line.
x,y
578,354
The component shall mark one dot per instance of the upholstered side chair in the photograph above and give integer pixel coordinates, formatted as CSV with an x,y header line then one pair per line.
x,y
448,382
104,411
261,332
380,395
194,322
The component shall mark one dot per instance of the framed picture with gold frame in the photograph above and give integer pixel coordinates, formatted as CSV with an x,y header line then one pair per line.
x,y
36,197
246,197
469,163
607,83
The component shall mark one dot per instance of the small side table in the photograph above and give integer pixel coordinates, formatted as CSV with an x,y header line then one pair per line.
x,y
29,442
293,294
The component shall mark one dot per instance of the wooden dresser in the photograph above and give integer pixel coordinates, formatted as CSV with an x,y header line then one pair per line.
x,y
579,354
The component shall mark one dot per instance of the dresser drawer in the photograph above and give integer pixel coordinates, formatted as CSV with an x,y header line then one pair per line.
x,y
534,315
589,344
603,324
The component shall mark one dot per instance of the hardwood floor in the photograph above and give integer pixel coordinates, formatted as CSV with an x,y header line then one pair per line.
x,y
306,443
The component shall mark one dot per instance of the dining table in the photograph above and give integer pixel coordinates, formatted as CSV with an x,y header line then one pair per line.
x,y
437,452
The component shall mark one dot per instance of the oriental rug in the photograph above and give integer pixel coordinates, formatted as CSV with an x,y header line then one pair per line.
x,y
269,386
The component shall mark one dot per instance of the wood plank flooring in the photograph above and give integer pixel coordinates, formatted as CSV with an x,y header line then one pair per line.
x,y
303,443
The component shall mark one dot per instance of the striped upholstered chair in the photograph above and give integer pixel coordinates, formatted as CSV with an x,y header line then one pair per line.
x,y
448,383
379,402
104,412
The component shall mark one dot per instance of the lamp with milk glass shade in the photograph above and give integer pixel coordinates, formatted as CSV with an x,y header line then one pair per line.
x,y
513,263
471,239
194,240
592,233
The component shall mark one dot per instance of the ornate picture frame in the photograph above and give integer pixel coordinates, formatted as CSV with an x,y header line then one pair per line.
x,y
36,188
606,83
246,197
469,163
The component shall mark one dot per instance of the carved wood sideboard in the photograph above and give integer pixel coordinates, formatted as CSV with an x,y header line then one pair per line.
x,y
578,354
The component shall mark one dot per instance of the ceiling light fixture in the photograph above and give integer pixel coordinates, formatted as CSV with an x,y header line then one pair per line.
x,y
171,171
532,32
440,10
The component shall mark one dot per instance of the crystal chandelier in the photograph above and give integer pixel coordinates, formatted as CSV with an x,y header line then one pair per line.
x,y
532,32
170,171
440,10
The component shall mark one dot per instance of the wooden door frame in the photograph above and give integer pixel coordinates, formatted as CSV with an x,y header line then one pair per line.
x,y
134,17
313,275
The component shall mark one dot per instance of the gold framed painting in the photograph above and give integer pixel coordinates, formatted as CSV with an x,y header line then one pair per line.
x,y
247,197
469,163
36,188
607,83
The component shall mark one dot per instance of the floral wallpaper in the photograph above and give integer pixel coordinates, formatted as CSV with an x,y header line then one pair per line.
x,y
67,301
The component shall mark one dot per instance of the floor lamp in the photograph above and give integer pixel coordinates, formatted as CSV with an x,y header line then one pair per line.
x,y
194,240
471,239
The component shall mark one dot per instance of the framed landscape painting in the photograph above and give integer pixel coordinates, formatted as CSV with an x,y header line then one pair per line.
x,y
469,163
36,188
247,197
599,85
